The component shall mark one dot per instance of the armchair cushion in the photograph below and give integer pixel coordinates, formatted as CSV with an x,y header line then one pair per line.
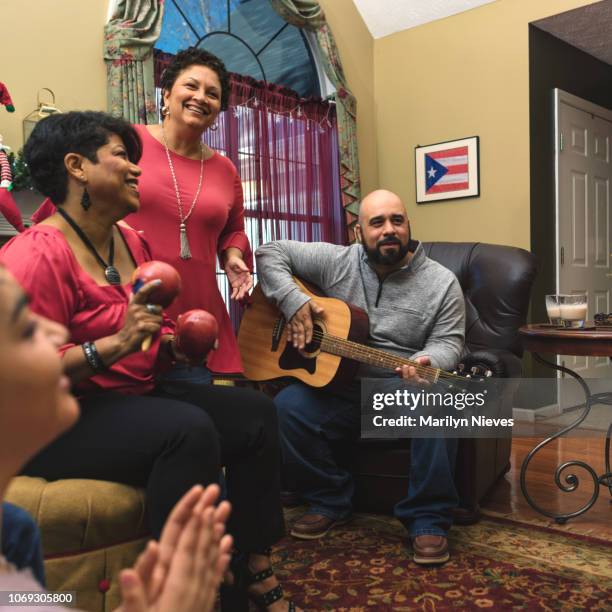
x,y
496,282
76,515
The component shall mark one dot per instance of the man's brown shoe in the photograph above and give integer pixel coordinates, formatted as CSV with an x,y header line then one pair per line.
x,y
430,549
290,499
311,526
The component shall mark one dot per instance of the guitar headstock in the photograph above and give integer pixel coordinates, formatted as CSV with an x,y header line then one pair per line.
x,y
477,373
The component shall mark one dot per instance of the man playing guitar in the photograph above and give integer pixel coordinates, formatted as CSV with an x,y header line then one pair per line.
x,y
416,309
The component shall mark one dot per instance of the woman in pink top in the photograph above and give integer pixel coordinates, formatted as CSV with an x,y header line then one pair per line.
x,y
191,198
76,267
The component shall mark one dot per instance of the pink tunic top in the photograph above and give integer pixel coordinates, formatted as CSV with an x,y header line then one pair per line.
x,y
45,266
216,223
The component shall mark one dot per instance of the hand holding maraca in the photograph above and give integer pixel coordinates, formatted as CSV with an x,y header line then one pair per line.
x,y
142,319
164,292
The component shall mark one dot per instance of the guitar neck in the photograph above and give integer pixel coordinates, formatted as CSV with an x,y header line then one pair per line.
x,y
374,357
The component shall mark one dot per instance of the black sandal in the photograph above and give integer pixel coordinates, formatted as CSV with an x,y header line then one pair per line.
x,y
235,597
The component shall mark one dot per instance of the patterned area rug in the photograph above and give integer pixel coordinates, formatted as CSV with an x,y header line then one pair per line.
x,y
496,564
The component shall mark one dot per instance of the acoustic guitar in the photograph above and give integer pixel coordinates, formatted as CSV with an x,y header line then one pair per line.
x,y
333,355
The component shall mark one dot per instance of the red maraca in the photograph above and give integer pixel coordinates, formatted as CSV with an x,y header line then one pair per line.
x,y
164,294
196,334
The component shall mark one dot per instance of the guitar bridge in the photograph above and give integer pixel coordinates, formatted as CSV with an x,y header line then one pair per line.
x,y
277,332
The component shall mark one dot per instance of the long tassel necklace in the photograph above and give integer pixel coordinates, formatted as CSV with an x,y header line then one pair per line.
x,y
185,250
110,272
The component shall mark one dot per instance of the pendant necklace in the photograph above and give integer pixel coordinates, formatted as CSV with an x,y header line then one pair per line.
x,y
185,252
110,272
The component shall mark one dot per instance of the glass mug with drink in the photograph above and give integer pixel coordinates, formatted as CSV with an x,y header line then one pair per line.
x,y
554,310
573,310
568,311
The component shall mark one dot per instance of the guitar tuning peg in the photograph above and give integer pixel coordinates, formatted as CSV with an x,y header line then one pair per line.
x,y
455,371
488,374
468,376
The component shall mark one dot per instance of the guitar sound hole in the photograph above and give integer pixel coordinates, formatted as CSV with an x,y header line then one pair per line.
x,y
302,359
315,344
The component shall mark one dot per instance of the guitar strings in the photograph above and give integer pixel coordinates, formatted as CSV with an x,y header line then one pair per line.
x,y
383,357
358,350
439,377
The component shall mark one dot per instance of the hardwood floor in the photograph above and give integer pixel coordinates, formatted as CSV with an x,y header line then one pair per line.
x,y
507,499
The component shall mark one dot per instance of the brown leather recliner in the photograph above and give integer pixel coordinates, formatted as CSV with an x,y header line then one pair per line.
x,y
496,282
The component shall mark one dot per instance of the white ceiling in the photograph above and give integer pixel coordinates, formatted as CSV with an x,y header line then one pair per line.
x,y
384,17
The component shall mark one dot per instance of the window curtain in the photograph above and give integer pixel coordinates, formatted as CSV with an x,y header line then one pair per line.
x,y
286,151
308,14
285,148
129,37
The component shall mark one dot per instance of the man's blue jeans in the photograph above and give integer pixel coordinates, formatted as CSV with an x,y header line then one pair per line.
x,y
311,420
21,541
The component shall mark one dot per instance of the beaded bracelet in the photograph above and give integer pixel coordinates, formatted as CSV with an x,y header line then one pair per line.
x,y
93,357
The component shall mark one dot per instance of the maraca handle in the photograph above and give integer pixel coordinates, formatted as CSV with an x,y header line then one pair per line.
x,y
146,343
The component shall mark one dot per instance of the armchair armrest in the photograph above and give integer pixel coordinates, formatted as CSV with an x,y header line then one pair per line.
x,y
502,363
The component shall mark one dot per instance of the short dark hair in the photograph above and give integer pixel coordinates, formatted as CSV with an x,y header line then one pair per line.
x,y
193,56
82,132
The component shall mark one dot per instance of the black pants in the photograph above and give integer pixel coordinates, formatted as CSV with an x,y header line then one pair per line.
x,y
170,440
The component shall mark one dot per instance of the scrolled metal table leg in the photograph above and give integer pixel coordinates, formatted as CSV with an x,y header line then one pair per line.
x,y
571,480
606,479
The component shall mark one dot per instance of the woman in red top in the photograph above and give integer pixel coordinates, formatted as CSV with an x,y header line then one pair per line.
x,y
76,267
191,198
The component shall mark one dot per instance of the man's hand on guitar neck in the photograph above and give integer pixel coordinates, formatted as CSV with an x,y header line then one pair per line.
x,y
299,330
413,374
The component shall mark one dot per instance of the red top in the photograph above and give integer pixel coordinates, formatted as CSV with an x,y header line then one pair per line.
x,y
216,223
46,209
43,263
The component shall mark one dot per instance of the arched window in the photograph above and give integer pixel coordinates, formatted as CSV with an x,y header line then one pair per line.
x,y
250,37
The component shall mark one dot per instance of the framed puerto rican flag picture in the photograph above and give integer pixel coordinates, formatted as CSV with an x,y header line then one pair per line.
x,y
447,170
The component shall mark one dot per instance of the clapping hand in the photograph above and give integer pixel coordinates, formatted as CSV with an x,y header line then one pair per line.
x,y
184,569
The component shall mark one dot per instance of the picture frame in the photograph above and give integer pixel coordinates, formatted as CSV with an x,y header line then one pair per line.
x,y
447,170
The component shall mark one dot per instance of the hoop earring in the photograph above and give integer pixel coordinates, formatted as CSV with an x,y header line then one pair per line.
x,y
85,199
165,111
214,127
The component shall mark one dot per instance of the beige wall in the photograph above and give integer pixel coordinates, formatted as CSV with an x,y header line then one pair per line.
x,y
356,48
55,44
462,76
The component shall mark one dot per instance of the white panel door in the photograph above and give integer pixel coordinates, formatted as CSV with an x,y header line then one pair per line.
x,y
584,175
